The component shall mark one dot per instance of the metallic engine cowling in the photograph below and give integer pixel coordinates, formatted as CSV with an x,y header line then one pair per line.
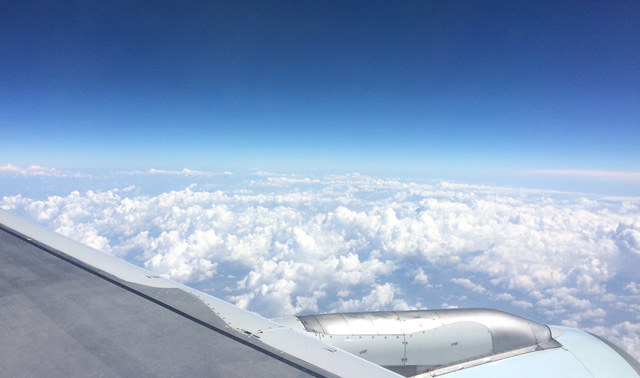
x,y
412,342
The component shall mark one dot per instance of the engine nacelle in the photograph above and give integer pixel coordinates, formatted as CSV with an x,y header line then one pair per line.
x,y
413,342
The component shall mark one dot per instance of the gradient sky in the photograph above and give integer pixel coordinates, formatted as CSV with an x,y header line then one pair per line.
x,y
424,87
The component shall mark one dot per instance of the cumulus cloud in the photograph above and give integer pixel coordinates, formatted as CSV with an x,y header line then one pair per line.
x,y
379,298
633,288
464,282
420,277
627,237
522,304
283,244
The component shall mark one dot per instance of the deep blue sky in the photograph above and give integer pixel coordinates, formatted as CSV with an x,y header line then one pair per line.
x,y
425,87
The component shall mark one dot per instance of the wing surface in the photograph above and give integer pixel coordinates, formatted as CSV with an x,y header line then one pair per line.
x,y
67,310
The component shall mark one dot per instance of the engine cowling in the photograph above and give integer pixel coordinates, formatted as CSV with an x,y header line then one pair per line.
x,y
414,342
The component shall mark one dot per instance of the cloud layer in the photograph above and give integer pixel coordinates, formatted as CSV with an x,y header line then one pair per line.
x,y
37,171
281,244
606,175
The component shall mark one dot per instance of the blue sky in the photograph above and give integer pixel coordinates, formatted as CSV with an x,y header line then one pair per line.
x,y
424,89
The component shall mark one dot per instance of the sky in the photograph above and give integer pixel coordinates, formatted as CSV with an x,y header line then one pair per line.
x,y
318,156
495,92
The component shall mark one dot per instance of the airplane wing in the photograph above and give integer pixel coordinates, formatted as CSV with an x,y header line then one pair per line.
x,y
68,310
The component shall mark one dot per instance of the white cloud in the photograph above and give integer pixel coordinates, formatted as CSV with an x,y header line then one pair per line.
x,y
504,297
379,298
282,244
607,175
36,170
420,277
522,304
627,237
633,288
464,282
183,172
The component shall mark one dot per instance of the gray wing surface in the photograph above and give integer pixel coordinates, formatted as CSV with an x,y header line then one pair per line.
x,y
63,317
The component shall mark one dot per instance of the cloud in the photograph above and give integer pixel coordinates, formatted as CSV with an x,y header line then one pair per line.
x,y
38,171
601,175
183,172
379,298
504,297
283,244
464,282
522,304
627,237
420,277
633,288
